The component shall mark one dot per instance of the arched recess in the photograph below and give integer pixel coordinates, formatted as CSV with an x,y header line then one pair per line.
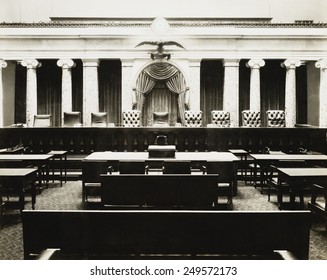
x,y
151,82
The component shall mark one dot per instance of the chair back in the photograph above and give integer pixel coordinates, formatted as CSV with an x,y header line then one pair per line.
x,y
176,167
193,118
160,119
251,118
275,118
134,167
99,119
72,119
161,140
220,118
42,121
132,118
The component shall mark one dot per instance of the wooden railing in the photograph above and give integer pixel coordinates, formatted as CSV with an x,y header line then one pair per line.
x,y
85,140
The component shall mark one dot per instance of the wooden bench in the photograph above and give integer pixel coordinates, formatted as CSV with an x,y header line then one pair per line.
x,y
120,234
161,191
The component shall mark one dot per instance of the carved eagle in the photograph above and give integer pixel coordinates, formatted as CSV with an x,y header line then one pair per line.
x,y
160,48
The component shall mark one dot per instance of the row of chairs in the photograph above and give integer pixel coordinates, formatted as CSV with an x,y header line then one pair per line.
x,y
91,171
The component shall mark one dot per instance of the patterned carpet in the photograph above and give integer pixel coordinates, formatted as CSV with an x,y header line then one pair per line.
x,y
69,197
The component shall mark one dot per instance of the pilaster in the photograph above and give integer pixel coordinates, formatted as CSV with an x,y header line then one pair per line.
x,y
127,79
31,89
90,89
322,64
66,85
231,90
255,99
290,91
3,64
194,84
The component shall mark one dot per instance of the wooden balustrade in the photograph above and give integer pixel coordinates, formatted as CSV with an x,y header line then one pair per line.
x,y
84,140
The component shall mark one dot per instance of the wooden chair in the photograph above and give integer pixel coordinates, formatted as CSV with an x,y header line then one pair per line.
x,y
91,183
160,119
176,167
135,167
226,179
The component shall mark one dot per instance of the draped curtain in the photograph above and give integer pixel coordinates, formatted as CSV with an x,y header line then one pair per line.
x,y
173,79
49,90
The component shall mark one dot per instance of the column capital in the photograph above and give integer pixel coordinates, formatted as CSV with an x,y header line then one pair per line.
x,y
322,63
127,62
228,62
291,63
90,62
3,63
195,62
255,63
31,63
66,63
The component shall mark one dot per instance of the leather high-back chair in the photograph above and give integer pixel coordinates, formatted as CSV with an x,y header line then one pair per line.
x,y
193,118
99,119
275,118
42,121
132,118
72,119
220,119
160,119
251,118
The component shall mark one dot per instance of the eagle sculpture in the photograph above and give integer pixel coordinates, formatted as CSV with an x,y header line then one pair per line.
x,y
160,54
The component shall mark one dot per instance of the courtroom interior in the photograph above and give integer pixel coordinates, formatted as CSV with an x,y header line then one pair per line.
x,y
156,118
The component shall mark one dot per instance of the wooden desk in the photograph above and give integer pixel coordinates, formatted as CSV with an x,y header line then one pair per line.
x,y
297,178
39,160
179,156
264,160
19,180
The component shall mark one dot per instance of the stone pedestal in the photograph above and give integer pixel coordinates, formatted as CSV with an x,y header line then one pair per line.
x,y
231,90
31,89
3,64
322,64
66,85
290,91
90,89
255,99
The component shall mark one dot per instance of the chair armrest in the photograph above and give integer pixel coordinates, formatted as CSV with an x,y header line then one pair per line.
x,y
47,254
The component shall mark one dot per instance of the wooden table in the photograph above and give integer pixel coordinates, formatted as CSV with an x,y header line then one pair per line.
x,y
39,160
265,160
243,155
179,156
298,178
19,180
62,156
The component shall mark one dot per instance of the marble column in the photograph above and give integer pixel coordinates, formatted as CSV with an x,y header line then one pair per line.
x,y
128,97
66,85
231,90
3,64
31,89
194,85
290,91
322,64
90,89
255,99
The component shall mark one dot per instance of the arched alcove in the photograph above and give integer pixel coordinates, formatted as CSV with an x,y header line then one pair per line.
x,y
161,87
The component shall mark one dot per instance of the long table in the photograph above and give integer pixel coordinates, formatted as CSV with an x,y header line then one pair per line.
x,y
298,178
18,180
179,156
39,160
